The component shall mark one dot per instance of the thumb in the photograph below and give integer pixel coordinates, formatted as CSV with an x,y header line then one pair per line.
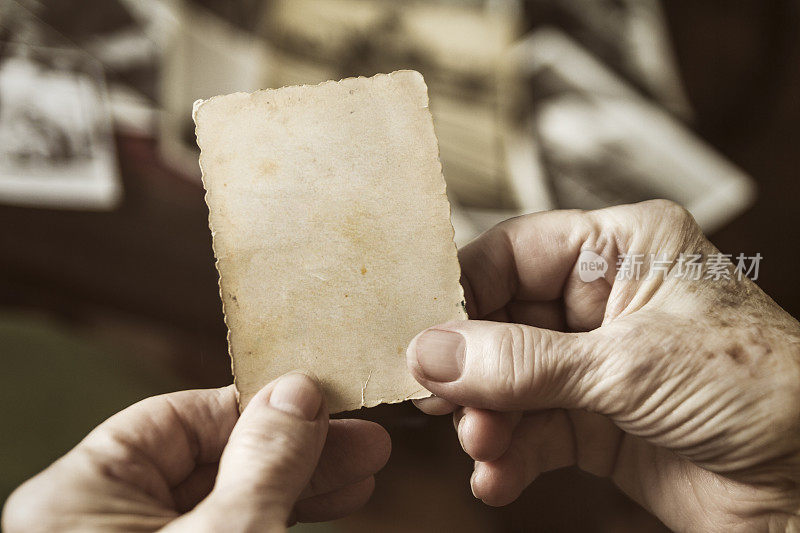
x,y
270,456
502,366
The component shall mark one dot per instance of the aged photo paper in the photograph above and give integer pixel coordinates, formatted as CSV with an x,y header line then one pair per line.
x,y
332,233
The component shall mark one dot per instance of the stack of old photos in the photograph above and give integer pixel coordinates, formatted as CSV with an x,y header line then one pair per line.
x,y
67,82
537,104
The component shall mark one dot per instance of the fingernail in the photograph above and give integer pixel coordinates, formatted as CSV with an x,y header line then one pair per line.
x,y
440,354
472,483
460,433
296,394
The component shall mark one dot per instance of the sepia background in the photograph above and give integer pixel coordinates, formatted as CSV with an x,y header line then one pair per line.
x,y
108,291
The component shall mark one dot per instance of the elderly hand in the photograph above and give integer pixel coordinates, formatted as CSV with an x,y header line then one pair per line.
x,y
189,462
685,392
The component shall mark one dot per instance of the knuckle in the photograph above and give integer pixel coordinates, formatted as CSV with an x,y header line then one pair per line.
x,y
516,349
273,445
666,210
658,213
667,213
272,455
671,226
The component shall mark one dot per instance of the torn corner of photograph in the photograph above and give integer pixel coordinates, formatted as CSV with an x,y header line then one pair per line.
x,y
332,233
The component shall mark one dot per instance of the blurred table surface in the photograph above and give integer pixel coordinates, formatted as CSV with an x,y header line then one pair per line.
x,y
151,259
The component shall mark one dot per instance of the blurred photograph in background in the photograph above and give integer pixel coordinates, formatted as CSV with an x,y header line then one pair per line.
x,y
528,118
56,145
602,143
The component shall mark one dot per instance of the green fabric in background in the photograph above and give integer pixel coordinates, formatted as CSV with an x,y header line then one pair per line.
x,y
56,385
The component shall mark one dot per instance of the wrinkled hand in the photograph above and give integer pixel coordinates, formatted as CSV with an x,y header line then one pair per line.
x,y
189,462
685,393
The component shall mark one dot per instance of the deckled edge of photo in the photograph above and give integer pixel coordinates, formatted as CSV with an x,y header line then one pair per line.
x,y
416,395
195,108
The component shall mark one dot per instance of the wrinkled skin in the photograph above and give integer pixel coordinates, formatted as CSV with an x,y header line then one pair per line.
x,y
187,461
685,393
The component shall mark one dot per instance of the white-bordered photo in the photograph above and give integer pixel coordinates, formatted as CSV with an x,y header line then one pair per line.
x,y
56,143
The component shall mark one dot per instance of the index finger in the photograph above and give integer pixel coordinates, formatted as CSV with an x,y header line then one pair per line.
x,y
174,432
524,258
